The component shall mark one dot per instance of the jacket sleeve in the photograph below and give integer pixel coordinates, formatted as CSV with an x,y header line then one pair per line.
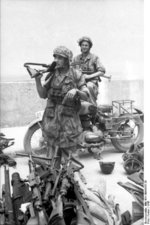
x,y
99,66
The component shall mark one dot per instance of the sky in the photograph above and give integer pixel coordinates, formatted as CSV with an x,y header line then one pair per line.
x,y
30,30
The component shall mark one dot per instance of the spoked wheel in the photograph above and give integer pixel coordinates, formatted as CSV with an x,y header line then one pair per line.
x,y
129,131
33,141
132,166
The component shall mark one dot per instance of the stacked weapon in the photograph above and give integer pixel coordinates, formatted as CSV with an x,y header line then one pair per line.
x,y
50,195
45,184
48,184
6,205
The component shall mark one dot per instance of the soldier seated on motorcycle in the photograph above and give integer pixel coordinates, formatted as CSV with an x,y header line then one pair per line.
x,y
63,89
89,64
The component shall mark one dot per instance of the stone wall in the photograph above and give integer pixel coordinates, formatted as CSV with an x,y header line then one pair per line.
x,y
20,101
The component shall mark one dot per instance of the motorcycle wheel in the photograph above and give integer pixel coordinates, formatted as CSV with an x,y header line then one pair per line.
x,y
33,140
134,124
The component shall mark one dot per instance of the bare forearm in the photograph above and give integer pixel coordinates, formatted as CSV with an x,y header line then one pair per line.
x,y
91,76
40,89
83,95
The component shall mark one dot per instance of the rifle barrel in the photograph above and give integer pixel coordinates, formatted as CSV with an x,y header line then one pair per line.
x,y
33,156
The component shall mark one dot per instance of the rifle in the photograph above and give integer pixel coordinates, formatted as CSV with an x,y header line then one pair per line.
x,y
7,213
34,182
50,174
34,73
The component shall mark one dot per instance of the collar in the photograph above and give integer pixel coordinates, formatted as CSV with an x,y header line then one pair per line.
x,y
87,57
58,73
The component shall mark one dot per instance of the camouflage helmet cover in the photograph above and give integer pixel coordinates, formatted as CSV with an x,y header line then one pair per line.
x,y
64,52
85,38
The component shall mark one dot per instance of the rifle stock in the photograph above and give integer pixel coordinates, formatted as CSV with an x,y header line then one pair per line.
x,y
34,182
8,201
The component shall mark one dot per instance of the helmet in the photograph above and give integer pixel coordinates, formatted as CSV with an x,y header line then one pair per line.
x,y
85,39
64,52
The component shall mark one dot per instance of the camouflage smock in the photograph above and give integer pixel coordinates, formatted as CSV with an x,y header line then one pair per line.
x,y
60,129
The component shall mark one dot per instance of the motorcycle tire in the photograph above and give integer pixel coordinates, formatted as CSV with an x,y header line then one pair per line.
x,y
34,134
124,147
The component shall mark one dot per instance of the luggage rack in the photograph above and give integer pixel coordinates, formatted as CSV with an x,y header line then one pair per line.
x,y
123,106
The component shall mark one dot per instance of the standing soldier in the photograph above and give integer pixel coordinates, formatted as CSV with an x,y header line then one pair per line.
x,y
61,122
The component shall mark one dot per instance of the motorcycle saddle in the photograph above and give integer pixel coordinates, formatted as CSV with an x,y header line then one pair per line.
x,y
105,108
87,108
91,137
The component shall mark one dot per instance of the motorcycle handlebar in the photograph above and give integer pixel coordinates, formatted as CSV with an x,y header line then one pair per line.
x,y
33,156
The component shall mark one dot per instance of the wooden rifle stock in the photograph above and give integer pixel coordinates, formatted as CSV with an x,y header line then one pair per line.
x,y
34,181
8,200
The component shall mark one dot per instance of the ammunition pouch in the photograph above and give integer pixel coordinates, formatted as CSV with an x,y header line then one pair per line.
x,y
50,112
71,107
55,94
67,110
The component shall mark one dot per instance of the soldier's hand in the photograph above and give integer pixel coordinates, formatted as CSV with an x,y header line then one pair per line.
x,y
86,76
38,75
70,95
57,207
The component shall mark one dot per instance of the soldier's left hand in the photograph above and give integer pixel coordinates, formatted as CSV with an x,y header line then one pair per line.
x,y
70,95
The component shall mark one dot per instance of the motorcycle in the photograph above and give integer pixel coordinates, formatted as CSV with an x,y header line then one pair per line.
x,y
121,123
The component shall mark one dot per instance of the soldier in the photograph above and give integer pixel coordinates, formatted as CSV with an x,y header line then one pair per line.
x,y
89,65
61,123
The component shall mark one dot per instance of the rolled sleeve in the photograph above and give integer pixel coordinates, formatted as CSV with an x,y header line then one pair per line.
x,y
99,65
